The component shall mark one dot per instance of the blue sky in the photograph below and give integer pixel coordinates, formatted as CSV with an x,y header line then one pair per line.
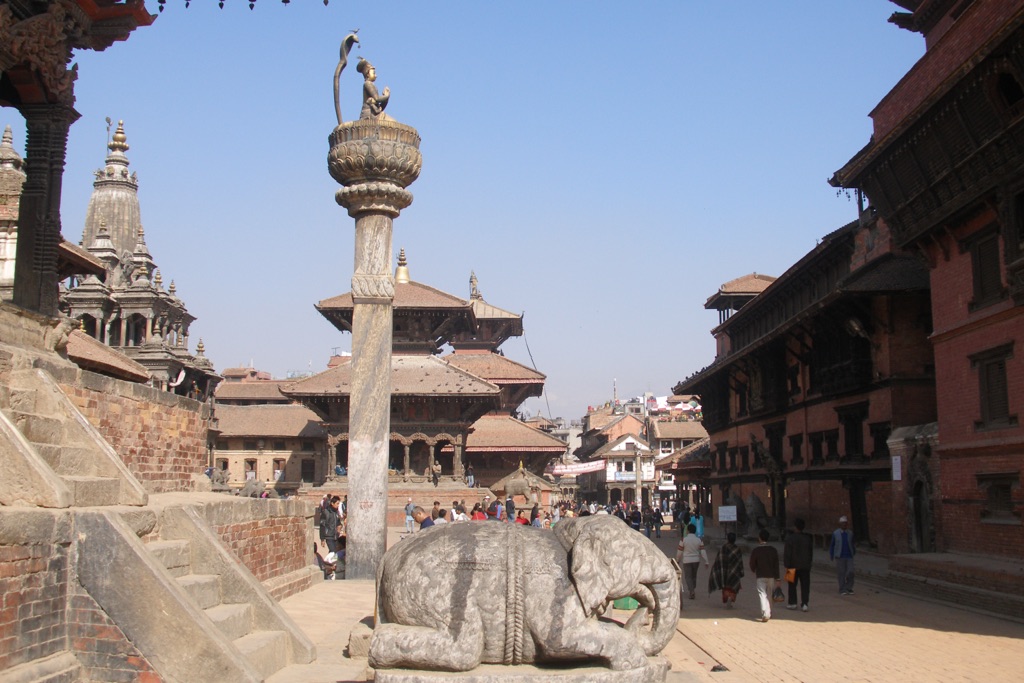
x,y
603,166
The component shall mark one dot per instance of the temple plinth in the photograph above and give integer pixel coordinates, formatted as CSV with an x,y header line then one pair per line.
x,y
374,159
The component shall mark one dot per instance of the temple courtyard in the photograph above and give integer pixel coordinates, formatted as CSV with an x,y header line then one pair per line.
x,y
874,635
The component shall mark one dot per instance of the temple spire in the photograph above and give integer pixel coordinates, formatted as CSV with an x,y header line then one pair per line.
x,y
402,271
474,290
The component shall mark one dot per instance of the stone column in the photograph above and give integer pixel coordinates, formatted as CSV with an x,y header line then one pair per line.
x,y
374,159
405,460
35,280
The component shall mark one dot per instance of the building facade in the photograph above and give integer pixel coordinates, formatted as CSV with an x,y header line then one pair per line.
x,y
945,170
812,376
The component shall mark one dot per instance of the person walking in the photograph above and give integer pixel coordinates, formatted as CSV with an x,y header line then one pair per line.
x,y
798,555
689,553
764,562
659,520
330,530
841,551
409,507
698,521
727,571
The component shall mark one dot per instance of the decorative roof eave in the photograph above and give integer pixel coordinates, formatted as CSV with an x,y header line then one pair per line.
x,y
850,175
516,449
826,249
74,260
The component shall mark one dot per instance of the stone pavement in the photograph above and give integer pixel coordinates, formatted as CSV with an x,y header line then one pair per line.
x,y
874,635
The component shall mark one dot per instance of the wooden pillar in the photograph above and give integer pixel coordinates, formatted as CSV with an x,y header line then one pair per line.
x,y
39,229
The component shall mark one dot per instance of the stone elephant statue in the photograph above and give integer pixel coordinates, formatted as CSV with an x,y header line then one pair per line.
x,y
520,486
457,595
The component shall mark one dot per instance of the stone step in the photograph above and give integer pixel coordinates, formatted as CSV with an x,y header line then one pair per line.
x,y
68,459
62,667
266,651
93,491
203,588
32,399
233,620
175,556
40,429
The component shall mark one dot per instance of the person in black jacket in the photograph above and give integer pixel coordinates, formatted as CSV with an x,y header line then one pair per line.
x,y
764,562
330,526
798,554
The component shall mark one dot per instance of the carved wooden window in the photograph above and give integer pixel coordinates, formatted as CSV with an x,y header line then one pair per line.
x,y
222,445
745,459
880,432
852,418
308,471
998,488
832,444
992,386
222,464
987,275
279,445
816,439
796,443
733,467
250,469
307,446
741,399
721,448
249,446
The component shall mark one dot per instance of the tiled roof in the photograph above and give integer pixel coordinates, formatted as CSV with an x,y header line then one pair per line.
x,y
96,356
505,433
407,295
532,479
410,376
485,311
689,429
608,450
495,368
267,390
889,273
754,283
269,420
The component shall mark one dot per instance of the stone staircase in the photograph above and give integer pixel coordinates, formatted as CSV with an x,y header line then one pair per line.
x,y
57,434
216,622
266,651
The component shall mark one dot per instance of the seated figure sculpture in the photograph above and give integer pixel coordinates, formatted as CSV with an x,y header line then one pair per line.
x,y
458,595
373,103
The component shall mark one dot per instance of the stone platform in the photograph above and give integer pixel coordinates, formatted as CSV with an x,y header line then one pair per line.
x,y
655,672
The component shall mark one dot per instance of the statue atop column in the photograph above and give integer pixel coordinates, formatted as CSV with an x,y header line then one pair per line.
x,y
373,103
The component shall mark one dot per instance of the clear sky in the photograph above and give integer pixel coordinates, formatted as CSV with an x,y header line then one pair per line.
x,y
603,166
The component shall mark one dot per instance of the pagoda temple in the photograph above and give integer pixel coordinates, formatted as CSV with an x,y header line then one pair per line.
x,y
456,409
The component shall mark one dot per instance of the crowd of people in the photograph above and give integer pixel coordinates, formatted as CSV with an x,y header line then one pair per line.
x,y
725,573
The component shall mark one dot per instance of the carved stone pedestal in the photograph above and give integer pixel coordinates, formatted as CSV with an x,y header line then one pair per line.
x,y
655,672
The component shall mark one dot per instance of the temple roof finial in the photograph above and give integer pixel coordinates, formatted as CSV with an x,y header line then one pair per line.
x,y
474,291
119,142
200,347
402,271
9,157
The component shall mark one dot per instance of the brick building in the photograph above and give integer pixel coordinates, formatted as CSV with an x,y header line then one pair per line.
x,y
811,377
945,170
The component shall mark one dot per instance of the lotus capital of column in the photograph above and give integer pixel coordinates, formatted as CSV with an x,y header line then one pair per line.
x,y
375,160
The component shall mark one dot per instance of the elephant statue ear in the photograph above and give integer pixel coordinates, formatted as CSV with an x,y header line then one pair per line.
x,y
590,573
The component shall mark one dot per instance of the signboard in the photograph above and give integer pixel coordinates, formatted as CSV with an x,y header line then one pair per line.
x,y
625,476
727,513
897,468
576,468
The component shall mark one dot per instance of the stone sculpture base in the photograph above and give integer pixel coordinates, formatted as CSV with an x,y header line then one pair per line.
x,y
655,672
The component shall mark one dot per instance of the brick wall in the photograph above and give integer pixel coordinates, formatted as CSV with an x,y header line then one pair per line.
x,y
952,46
268,547
34,586
102,649
160,437
963,527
